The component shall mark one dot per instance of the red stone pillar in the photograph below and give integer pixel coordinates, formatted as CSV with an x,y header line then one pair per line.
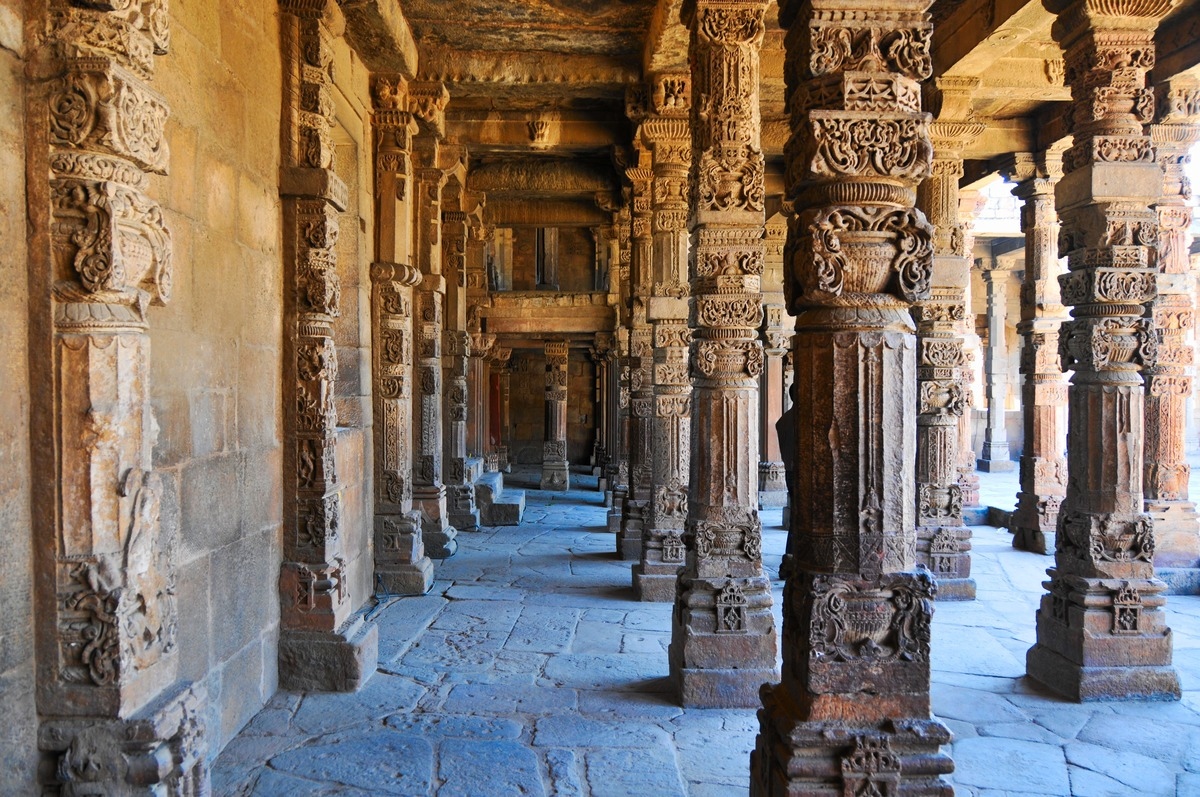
x,y
852,713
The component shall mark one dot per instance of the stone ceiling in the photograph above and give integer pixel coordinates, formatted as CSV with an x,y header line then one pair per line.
x,y
567,62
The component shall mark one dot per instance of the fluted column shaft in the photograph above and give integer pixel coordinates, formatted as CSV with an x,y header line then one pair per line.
x,y
1101,631
852,714
723,643
1044,391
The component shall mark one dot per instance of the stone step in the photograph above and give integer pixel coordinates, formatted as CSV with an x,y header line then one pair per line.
x,y
497,506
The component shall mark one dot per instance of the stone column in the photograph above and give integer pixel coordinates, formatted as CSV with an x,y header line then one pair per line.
x,y
852,713
462,513
478,416
723,644
994,458
1168,373
668,134
113,716
970,203
772,480
1101,631
556,471
943,541
323,645
401,564
1044,392
619,468
601,356
502,366
427,103
641,361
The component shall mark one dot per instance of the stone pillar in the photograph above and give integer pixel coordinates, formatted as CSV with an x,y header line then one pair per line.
x,y
852,714
502,367
994,458
556,471
1101,630
1044,392
479,429
427,103
321,647
601,356
619,467
401,564
943,541
113,716
1168,374
641,360
668,135
458,206
772,478
970,203
723,644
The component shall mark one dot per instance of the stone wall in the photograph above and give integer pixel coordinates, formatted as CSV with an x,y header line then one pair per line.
x,y
216,351
576,259
527,405
581,408
18,734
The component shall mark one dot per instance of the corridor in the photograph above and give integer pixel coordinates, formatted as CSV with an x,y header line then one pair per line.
x,y
530,669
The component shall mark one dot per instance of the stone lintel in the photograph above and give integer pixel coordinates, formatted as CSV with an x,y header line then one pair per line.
x,y
381,35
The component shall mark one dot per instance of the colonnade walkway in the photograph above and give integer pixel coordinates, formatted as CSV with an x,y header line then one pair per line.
x,y
531,669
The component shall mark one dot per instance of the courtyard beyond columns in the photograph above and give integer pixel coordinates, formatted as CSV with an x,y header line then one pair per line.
x,y
531,668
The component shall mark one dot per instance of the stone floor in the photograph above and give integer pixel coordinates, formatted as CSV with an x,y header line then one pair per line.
x,y
529,669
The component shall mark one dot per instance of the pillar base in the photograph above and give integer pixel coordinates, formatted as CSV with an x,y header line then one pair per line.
x,y
1179,580
556,476
629,537
1034,540
998,465
655,582
772,485
463,510
897,756
1103,639
1176,533
770,499
436,531
324,661
411,578
1081,684
722,653
156,751
946,551
1035,521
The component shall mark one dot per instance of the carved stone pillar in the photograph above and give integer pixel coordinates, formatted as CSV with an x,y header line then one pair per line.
x,y
502,367
1044,392
641,362
668,135
852,713
400,560
601,356
970,203
1101,631
1168,377
318,648
478,388
619,469
943,541
772,477
114,719
723,644
995,458
556,471
462,513
427,102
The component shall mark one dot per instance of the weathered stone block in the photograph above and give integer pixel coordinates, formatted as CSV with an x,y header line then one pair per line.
x,y
315,661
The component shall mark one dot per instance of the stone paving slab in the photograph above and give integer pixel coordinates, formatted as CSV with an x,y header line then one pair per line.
x,y
530,669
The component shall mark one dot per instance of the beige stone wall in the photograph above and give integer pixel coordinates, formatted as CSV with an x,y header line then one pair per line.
x,y
216,377
17,732
576,259
581,408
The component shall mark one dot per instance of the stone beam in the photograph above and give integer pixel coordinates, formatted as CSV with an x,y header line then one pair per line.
x,y
533,131
542,177
666,40
379,33
1177,46
516,212
978,33
530,69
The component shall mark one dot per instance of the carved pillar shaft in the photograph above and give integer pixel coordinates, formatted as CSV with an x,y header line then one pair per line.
x,y
429,488
400,560
641,363
1101,631
943,541
852,713
995,455
723,643
462,513
113,717
970,203
556,470
1168,375
1044,392
772,480
668,135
